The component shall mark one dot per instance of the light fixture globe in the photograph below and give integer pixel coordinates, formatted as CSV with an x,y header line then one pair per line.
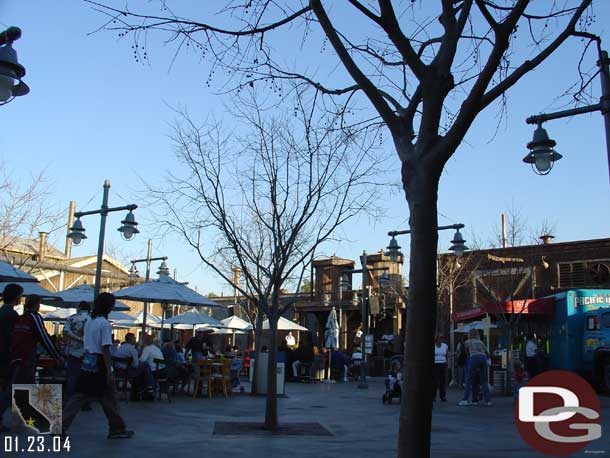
x,y
133,273
129,226
345,284
77,232
163,270
542,156
458,244
394,250
11,71
384,280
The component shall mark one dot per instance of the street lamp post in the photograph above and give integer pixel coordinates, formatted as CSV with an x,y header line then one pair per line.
x,y
542,156
134,274
458,246
11,71
128,230
364,307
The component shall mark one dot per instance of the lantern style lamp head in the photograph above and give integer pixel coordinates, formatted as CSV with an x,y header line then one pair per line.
x,y
542,156
133,273
458,244
163,270
77,232
129,227
394,250
11,71
384,280
345,284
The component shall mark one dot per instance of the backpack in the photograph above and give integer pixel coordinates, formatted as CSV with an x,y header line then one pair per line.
x,y
23,341
462,355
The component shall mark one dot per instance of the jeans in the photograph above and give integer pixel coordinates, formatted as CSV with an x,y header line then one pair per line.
x,y
461,376
109,405
478,364
143,376
439,371
73,369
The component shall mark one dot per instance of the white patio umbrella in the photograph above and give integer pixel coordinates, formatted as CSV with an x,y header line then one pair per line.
x,y
227,331
10,274
165,290
74,296
480,326
193,318
235,325
235,322
62,314
331,340
284,324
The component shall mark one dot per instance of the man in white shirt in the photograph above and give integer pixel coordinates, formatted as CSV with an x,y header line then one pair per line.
x,y
439,370
290,340
138,371
95,378
151,352
531,356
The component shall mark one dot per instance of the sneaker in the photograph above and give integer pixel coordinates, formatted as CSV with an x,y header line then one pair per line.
x,y
488,404
124,434
463,402
474,403
443,399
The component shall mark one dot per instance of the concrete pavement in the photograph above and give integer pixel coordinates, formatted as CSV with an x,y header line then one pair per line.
x,y
360,424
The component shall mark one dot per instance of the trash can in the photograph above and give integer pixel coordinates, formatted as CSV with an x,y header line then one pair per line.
x,y
261,376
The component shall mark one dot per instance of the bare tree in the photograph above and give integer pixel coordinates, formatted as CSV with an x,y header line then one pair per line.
x,y
264,196
426,81
24,210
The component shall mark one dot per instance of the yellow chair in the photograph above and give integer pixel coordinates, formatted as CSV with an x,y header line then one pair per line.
x,y
204,373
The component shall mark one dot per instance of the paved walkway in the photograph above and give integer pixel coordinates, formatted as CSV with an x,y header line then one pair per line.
x,y
361,425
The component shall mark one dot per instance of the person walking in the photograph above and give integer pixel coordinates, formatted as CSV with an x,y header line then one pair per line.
x,y
439,369
95,378
462,359
531,357
74,330
478,354
28,332
10,298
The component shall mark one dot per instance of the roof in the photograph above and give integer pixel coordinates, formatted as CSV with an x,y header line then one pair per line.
x,y
29,247
541,306
558,245
332,261
83,261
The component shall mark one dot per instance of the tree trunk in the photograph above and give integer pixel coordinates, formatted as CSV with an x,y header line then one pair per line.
x,y
271,416
415,421
258,326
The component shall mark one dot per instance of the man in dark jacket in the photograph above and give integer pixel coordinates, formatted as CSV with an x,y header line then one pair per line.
x,y
11,297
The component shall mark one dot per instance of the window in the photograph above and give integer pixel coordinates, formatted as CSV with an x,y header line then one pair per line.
x,y
592,323
606,320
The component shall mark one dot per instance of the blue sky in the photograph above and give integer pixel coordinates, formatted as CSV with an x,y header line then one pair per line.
x,y
94,113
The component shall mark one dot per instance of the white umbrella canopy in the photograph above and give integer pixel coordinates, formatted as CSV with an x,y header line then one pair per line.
x,y
62,314
84,292
9,273
228,331
165,290
193,318
332,330
478,325
284,324
235,322
152,320
59,314
30,288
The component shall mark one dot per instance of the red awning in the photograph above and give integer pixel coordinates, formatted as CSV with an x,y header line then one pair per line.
x,y
542,306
